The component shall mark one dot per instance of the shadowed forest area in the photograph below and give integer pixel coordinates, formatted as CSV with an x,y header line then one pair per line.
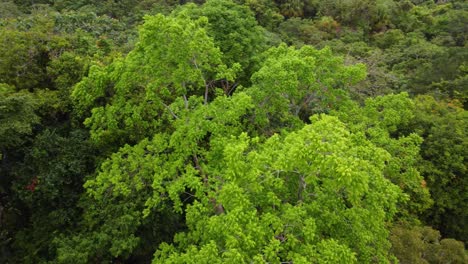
x,y
233,131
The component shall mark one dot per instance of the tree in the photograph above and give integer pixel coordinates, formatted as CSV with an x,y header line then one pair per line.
x,y
383,121
22,64
201,167
146,181
414,244
47,186
183,138
9,10
443,125
266,12
295,197
235,31
17,120
292,84
292,8
130,99
17,116
364,14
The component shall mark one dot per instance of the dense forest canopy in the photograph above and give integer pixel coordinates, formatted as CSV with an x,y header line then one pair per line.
x,y
233,131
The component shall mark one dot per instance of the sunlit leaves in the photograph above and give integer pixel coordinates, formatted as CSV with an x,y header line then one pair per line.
x,y
293,84
380,120
322,183
175,58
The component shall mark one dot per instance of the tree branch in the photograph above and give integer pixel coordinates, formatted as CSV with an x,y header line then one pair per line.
x,y
170,111
194,61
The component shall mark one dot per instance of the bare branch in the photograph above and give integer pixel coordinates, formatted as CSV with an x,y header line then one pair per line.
x,y
170,111
194,61
185,102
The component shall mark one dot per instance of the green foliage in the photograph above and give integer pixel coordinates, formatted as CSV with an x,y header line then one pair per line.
x,y
140,187
429,59
42,53
17,116
443,125
365,14
280,197
292,8
8,9
298,31
129,11
97,26
266,12
235,31
23,58
293,84
179,137
49,184
380,120
280,200
424,245
174,58
66,71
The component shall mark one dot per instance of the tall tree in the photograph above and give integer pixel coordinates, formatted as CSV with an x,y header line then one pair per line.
x,y
292,84
382,120
235,31
130,99
444,127
295,197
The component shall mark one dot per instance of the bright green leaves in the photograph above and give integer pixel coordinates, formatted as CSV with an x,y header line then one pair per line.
x,y
251,176
114,206
274,201
306,195
146,186
174,59
379,121
293,84
180,57
330,173
92,88
120,172
209,149
330,251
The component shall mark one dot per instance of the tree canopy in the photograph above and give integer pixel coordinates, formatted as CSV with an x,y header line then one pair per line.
x,y
222,131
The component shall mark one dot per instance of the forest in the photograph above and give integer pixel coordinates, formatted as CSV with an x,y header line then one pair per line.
x,y
233,131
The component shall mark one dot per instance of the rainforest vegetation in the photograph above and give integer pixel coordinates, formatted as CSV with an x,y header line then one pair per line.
x,y
233,131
